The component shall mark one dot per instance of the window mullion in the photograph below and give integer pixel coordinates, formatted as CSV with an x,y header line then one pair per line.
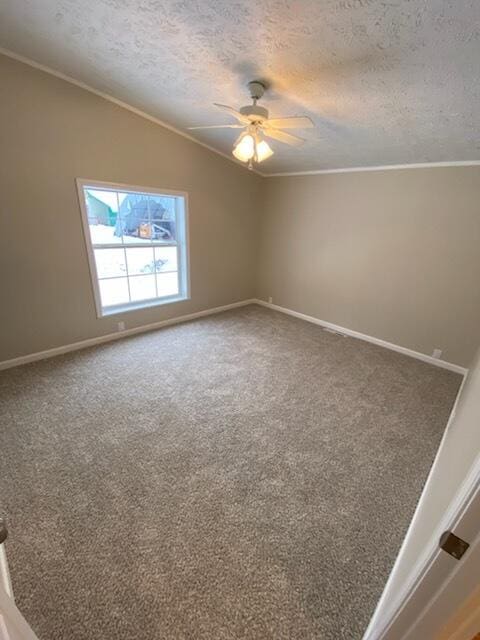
x,y
133,245
123,248
152,246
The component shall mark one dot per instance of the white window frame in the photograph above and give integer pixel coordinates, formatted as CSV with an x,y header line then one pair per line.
x,y
181,243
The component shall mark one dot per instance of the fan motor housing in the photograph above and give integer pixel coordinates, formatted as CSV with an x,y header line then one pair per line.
x,y
254,113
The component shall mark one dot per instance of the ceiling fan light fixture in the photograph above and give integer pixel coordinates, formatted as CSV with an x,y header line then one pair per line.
x,y
244,150
263,151
251,146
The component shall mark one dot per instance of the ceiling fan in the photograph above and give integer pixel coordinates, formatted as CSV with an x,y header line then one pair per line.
x,y
251,146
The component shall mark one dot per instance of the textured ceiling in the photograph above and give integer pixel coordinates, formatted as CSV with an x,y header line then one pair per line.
x,y
385,81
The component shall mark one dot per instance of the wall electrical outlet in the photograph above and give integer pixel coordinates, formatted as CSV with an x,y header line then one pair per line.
x,y
437,353
121,326
270,300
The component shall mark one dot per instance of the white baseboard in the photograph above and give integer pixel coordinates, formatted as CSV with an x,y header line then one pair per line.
x,y
362,336
90,342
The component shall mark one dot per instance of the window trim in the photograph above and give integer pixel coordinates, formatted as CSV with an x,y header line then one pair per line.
x,y
183,247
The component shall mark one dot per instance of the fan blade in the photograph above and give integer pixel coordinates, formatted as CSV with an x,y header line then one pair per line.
x,y
219,126
287,138
233,112
296,122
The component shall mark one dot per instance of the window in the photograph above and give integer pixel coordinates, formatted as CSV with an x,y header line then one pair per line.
x,y
137,245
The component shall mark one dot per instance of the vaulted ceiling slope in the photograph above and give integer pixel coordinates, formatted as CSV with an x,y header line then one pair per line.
x,y
385,81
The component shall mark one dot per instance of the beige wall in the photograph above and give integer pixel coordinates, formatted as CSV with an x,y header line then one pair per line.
x,y
52,132
392,254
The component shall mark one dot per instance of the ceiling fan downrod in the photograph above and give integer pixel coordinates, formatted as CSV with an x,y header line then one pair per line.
x,y
257,89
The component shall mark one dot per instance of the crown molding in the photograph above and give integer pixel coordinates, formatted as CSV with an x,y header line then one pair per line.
x,y
119,103
386,167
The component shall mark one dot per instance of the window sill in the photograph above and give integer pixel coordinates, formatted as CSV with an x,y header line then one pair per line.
x,y
112,311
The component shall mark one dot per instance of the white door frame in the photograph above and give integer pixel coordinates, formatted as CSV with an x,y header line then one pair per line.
x,y
456,590
13,625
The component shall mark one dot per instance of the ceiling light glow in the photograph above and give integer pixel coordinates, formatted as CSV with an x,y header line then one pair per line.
x,y
263,151
245,148
251,148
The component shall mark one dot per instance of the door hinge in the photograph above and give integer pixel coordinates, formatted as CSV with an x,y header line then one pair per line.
x,y
453,545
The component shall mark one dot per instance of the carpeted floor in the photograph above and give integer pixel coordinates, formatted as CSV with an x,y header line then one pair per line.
x,y
243,476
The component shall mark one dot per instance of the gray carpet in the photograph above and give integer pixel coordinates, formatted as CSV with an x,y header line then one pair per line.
x,y
243,476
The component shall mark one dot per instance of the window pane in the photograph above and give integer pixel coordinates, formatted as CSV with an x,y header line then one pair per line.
x,y
102,212
110,262
140,260
142,288
114,291
167,284
134,217
162,217
166,259
144,218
